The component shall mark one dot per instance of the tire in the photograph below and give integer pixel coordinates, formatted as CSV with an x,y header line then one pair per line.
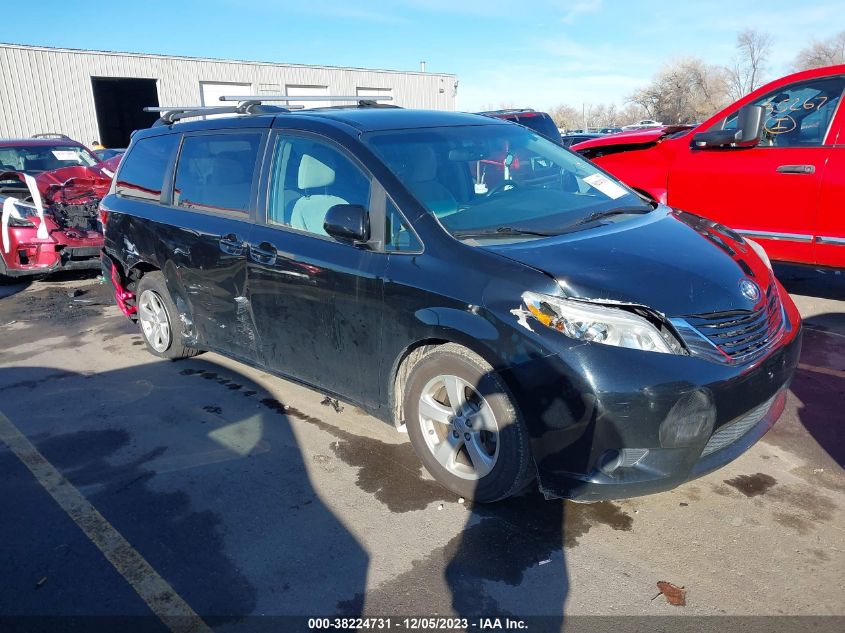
x,y
500,464
158,321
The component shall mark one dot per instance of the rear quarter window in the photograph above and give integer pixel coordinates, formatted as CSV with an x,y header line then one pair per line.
x,y
143,168
541,123
216,171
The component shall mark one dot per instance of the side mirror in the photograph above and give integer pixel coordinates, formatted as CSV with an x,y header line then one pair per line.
x,y
348,223
749,128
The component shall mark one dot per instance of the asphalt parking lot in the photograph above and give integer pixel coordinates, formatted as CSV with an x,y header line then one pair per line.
x,y
206,489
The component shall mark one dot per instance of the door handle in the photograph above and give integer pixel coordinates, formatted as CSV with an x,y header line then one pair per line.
x,y
797,169
264,253
231,244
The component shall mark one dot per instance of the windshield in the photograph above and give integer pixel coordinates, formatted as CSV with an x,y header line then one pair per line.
x,y
502,181
38,158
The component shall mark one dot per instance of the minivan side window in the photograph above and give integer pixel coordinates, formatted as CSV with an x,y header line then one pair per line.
x,y
798,115
142,171
215,172
308,177
398,238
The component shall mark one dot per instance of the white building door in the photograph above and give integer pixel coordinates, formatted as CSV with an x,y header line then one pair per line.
x,y
376,92
299,91
210,93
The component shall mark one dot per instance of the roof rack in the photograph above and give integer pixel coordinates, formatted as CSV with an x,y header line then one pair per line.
x,y
361,99
171,114
508,111
51,135
252,104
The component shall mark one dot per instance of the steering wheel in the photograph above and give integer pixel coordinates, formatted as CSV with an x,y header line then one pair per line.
x,y
505,185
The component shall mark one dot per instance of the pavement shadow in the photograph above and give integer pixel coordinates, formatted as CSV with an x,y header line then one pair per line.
x,y
202,479
824,283
822,393
510,561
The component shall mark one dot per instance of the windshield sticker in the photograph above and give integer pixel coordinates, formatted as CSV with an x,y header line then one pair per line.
x,y
64,154
606,186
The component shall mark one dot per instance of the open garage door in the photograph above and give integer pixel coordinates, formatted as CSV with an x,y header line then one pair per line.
x,y
119,103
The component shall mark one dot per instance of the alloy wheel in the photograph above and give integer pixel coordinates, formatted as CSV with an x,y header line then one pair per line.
x,y
154,321
459,427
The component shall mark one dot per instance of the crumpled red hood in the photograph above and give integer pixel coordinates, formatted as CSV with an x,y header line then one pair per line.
x,y
631,137
74,185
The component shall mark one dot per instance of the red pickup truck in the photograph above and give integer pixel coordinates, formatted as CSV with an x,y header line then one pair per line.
x,y
771,166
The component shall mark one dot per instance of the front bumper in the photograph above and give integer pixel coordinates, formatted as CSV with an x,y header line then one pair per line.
x,y
28,255
598,415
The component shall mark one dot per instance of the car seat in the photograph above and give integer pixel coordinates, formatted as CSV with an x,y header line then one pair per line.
x,y
226,186
422,181
316,176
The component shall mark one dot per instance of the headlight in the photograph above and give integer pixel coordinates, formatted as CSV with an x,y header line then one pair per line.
x,y
596,323
761,252
22,216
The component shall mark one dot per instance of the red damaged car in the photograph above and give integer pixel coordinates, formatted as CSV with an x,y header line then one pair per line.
x,y
49,191
771,166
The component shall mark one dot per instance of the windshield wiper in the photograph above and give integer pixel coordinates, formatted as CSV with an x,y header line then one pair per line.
x,y
504,231
599,215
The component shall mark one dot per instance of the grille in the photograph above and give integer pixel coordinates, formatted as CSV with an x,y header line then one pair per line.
x,y
735,429
744,334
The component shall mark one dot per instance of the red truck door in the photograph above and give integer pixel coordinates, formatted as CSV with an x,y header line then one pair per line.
x,y
830,220
771,192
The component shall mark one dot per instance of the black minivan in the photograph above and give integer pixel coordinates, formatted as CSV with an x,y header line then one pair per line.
x,y
521,313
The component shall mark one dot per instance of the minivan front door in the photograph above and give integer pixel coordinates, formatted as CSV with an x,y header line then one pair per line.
x,y
317,302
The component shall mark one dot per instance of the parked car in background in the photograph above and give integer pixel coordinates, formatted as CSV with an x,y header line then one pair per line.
x,y
557,326
572,138
106,153
44,152
610,130
540,122
49,190
639,125
771,165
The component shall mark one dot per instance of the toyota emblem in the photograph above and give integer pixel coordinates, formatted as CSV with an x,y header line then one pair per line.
x,y
749,290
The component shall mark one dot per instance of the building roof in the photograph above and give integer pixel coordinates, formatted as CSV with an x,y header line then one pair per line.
x,y
80,51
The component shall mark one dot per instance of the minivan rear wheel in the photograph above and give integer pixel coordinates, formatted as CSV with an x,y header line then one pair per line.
x,y
156,318
465,425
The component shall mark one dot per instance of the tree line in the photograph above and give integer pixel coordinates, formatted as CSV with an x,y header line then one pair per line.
x,y
689,90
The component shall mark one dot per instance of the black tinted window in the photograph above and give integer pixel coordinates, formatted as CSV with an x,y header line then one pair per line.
x,y
540,122
215,172
142,171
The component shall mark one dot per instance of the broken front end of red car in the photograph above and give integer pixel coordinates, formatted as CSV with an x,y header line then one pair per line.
x,y
50,220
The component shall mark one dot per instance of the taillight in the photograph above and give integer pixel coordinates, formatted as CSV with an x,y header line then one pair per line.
x,y
104,216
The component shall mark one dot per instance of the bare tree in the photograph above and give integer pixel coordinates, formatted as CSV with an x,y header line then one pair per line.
x,y
746,72
683,92
822,53
566,116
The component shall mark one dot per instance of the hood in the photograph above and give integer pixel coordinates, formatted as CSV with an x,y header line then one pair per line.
x,y
632,139
676,263
74,185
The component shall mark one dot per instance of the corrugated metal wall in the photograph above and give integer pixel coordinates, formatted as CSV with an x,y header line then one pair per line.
x,y
49,90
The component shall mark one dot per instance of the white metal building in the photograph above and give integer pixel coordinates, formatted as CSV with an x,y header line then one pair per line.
x,y
95,95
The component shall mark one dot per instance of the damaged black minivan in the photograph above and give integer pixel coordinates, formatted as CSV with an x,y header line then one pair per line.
x,y
521,313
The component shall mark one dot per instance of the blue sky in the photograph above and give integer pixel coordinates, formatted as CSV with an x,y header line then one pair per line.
x,y
534,53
